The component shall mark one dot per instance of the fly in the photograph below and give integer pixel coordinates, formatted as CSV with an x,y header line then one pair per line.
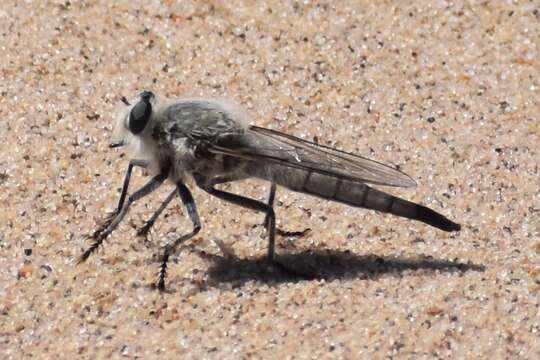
x,y
210,142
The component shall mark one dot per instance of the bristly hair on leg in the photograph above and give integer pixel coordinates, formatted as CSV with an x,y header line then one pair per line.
x,y
163,272
97,237
144,231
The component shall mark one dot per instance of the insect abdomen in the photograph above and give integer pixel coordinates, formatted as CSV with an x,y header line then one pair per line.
x,y
358,195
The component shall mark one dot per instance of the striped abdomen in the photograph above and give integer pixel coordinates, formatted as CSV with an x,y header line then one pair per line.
x,y
354,194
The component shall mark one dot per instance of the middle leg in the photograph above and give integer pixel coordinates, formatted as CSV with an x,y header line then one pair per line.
x,y
189,203
150,222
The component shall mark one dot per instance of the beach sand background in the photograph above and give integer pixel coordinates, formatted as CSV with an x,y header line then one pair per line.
x,y
447,91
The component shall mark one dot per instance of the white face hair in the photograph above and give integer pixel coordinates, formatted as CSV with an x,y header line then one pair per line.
x,y
135,138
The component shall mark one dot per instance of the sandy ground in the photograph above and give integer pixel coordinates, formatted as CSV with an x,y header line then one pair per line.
x,y
448,91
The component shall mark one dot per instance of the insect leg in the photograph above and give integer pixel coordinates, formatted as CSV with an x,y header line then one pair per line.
x,y
100,234
132,164
280,232
150,222
208,186
189,203
271,198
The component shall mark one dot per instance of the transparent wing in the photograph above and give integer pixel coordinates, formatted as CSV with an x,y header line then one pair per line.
x,y
269,146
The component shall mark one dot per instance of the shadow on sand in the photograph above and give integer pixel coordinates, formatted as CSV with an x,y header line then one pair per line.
x,y
328,265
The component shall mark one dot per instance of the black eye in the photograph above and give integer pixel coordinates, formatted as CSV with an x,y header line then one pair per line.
x,y
139,116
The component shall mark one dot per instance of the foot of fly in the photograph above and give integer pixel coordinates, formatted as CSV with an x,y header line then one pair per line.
x,y
145,229
98,236
289,234
295,234
286,233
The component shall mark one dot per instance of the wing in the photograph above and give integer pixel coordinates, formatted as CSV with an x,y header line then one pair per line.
x,y
269,146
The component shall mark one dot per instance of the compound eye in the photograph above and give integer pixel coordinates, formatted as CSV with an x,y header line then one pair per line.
x,y
139,116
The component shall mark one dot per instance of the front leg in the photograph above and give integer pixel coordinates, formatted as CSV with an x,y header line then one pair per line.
x,y
104,231
127,178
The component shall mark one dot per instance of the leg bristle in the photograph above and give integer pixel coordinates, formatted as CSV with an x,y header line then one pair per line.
x,y
295,234
97,236
145,229
163,272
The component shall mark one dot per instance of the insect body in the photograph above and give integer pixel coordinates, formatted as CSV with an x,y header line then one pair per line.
x,y
210,142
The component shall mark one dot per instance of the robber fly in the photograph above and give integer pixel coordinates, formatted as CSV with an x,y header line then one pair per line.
x,y
210,142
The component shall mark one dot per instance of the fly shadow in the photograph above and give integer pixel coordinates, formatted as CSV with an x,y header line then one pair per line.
x,y
328,265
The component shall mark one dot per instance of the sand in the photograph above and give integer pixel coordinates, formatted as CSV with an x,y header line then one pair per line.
x,y
447,91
